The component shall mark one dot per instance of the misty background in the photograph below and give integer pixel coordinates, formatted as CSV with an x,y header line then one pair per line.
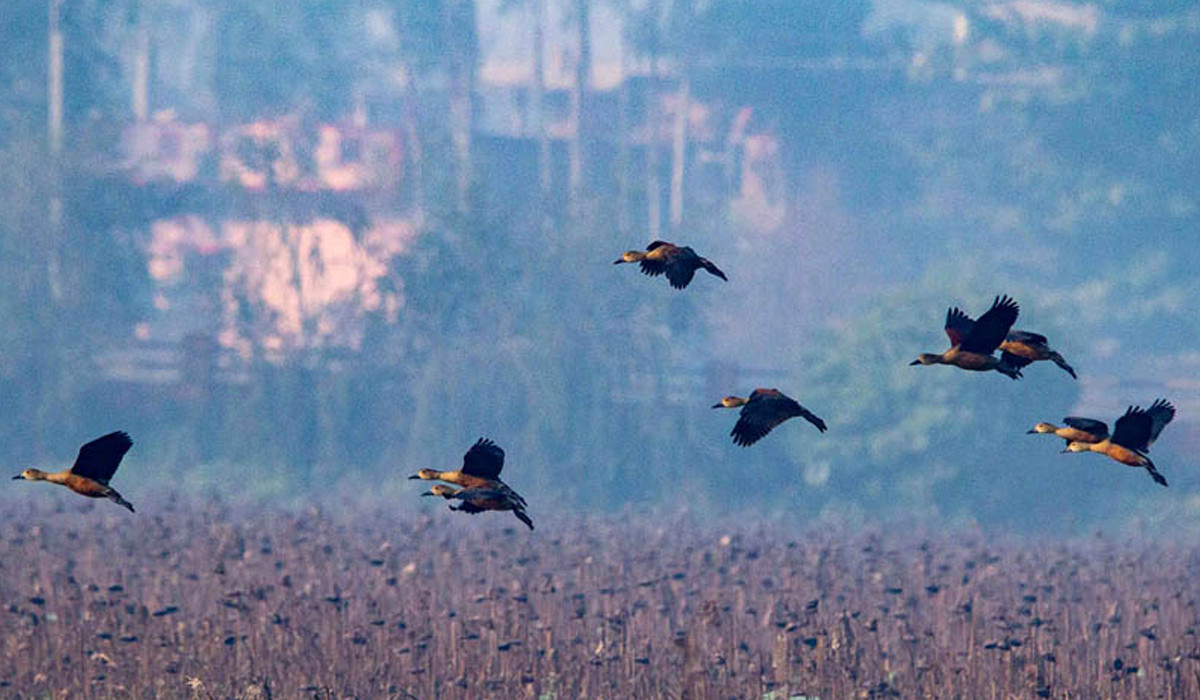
x,y
326,243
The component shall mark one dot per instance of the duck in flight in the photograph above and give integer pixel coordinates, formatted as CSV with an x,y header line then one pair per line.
x,y
1074,429
678,263
477,499
972,349
762,411
1132,437
481,467
1020,348
97,462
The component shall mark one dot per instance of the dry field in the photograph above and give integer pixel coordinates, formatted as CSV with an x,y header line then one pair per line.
x,y
216,602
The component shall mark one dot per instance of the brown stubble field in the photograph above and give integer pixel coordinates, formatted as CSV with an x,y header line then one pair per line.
x,y
212,601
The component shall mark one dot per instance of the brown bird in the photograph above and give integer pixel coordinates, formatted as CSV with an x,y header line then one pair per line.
x,y
97,462
972,350
481,467
762,411
1132,437
1020,348
496,496
679,264
1075,429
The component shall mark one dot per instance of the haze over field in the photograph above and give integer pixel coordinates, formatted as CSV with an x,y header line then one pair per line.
x,y
338,240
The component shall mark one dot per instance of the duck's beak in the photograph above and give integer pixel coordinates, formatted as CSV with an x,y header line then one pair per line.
x,y
18,477
914,362
718,405
1064,451
428,493
415,476
1031,431
618,261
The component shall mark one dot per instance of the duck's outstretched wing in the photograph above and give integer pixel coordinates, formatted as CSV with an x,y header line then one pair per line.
x,y
485,459
958,325
1015,361
1138,427
98,460
680,272
1161,412
991,328
1026,338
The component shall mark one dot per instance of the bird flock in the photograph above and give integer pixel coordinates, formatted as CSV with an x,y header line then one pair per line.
x,y
477,487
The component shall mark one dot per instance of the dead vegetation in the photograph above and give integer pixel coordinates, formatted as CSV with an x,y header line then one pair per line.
x,y
217,603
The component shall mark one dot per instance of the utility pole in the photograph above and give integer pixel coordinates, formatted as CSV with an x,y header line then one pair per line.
x,y
538,7
679,150
583,73
141,66
55,128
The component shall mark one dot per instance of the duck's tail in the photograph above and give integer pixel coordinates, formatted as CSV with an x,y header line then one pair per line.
x,y
1058,360
523,518
712,269
116,498
1154,473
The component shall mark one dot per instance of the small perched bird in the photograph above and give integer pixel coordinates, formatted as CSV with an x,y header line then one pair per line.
x,y
972,349
1020,348
762,411
481,467
1075,429
679,264
1132,437
477,499
97,462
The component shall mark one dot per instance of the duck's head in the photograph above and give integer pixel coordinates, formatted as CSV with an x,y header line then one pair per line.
x,y
31,475
1041,428
443,490
630,256
730,402
926,358
425,474
1075,446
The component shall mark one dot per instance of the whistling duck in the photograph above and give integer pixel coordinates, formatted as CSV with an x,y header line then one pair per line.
x,y
1132,437
481,467
1076,429
476,499
95,465
973,348
762,411
1020,348
678,263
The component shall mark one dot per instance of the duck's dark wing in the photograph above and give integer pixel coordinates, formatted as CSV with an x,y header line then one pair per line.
x,y
485,459
680,272
765,409
1133,429
1014,361
653,268
1089,425
1161,412
958,324
98,460
989,331
657,244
